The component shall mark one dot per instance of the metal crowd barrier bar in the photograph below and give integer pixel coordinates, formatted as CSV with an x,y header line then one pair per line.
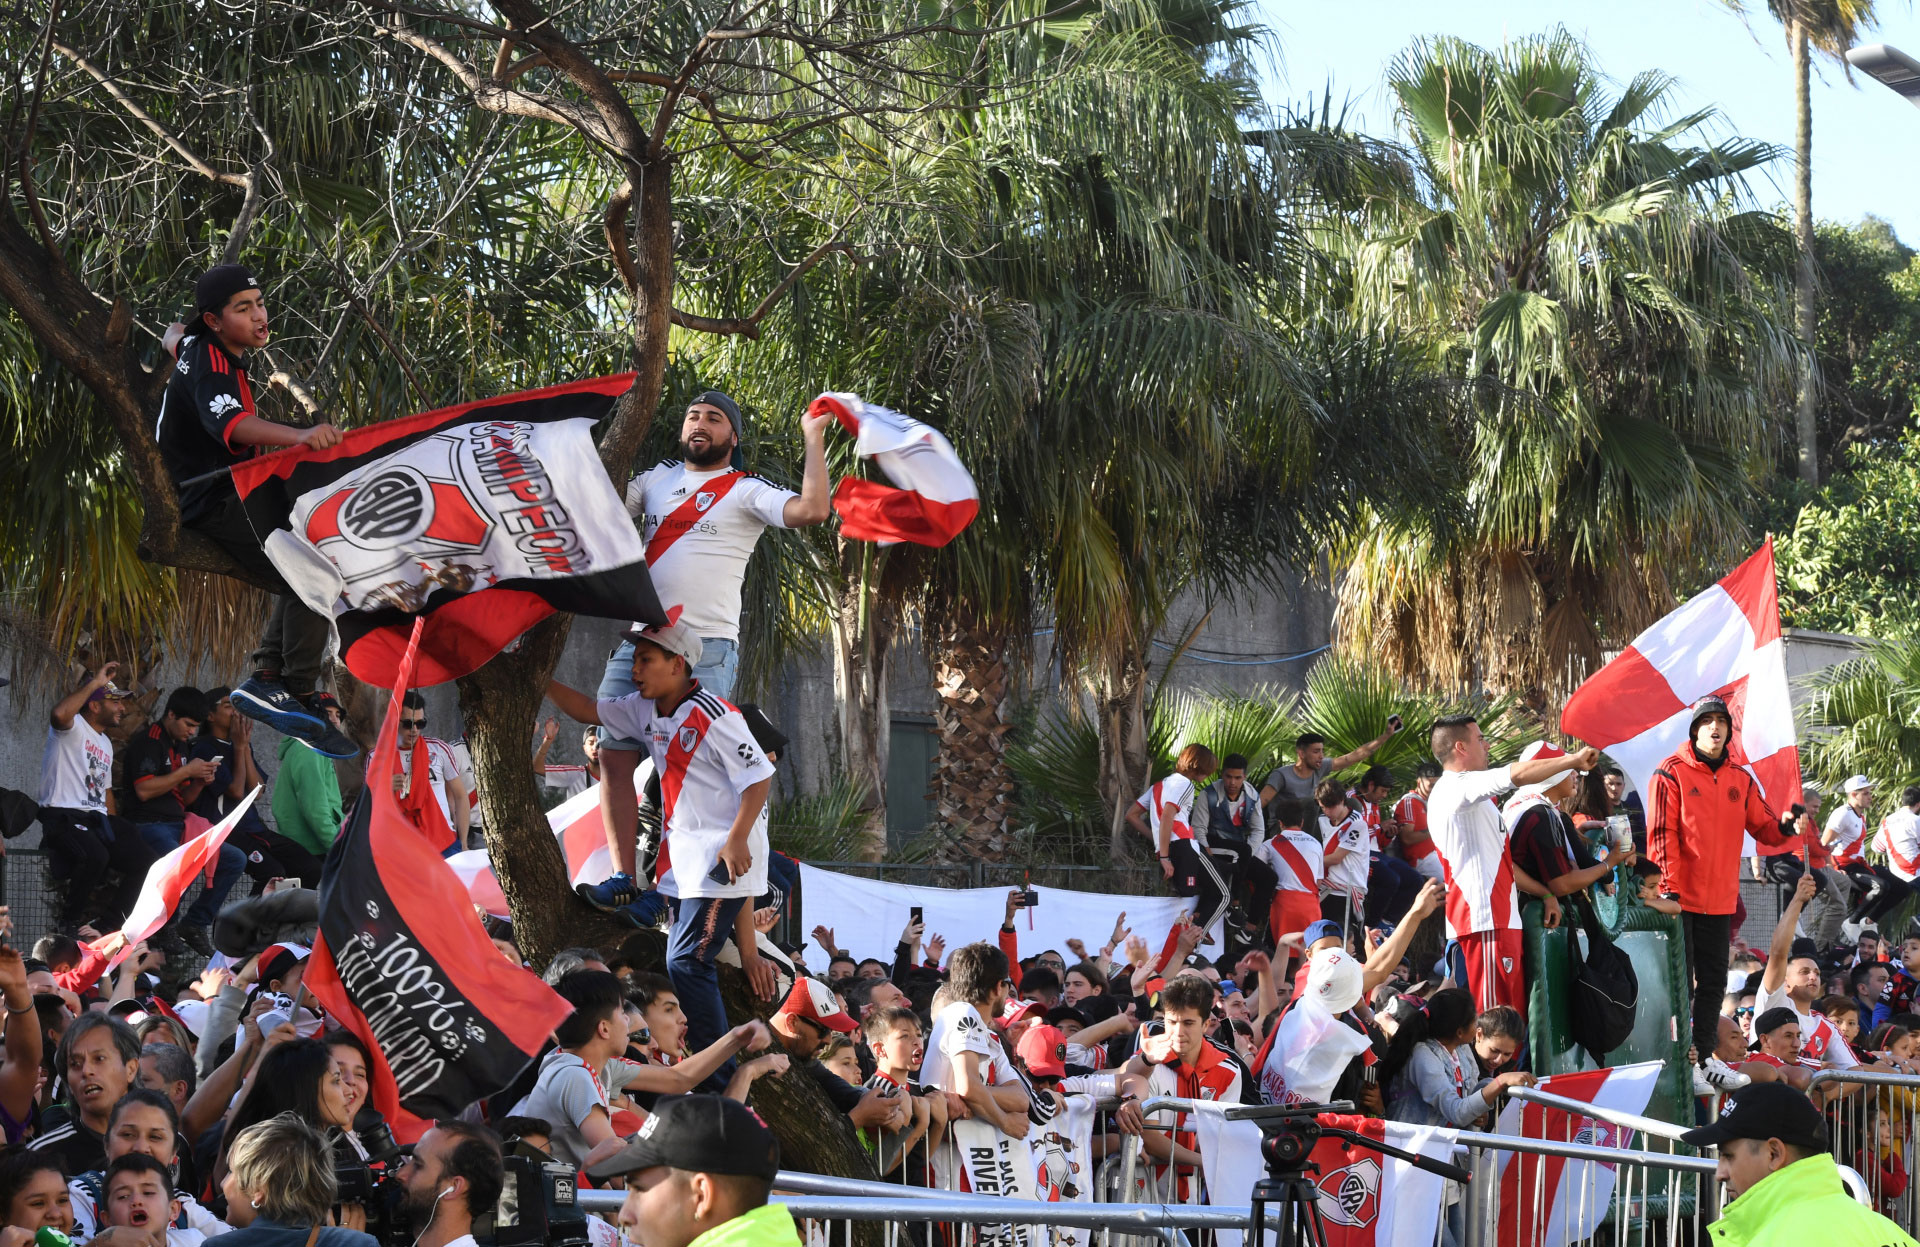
x,y
1872,1118
1657,1193
1580,1108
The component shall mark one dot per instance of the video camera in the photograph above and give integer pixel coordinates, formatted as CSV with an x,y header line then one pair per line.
x,y
539,1202
374,1183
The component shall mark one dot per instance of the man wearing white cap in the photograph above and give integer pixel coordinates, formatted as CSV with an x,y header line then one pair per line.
x,y
1483,913
713,788
1877,890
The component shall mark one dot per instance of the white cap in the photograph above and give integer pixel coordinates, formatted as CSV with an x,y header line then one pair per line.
x,y
675,638
1542,749
1857,783
1334,979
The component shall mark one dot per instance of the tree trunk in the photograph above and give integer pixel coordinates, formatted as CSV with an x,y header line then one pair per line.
x,y
864,623
1125,767
971,783
1806,322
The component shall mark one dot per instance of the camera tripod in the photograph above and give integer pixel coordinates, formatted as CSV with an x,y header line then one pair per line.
x,y
1287,1193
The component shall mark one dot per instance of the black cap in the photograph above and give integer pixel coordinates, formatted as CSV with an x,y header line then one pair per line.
x,y
1765,1110
770,738
700,1134
216,286
1712,703
1773,1019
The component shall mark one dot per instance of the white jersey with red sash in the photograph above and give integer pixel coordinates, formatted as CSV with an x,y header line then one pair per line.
x,y
700,528
1899,839
1177,790
1297,859
706,758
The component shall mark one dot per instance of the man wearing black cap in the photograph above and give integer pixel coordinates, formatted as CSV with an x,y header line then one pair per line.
x,y
1782,1186
208,423
1703,805
701,516
700,1170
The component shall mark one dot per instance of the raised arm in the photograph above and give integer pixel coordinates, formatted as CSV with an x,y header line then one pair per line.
x,y
1361,754
1382,962
1781,947
71,705
814,503
573,703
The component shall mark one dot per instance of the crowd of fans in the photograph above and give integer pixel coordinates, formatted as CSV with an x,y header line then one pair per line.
x,y
159,1093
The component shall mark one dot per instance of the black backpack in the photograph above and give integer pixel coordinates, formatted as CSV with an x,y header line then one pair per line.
x,y
1605,989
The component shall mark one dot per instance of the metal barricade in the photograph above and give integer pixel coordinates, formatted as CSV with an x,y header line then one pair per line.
x,y
1872,1119
826,1208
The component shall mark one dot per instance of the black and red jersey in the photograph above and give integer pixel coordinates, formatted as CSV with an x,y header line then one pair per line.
x,y
206,396
148,754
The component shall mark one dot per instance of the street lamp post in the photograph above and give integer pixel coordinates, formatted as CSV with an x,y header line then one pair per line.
x,y
1889,65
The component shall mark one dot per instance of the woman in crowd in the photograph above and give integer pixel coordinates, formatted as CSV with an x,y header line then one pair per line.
x,y
144,1122
33,1190
301,1077
1430,1070
280,1190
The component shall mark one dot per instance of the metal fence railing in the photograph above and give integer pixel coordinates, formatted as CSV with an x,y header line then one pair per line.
x,y
1872,1119
33,896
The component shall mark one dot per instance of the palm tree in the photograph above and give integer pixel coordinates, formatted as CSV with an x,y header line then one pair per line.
x,y
1582,267
1864,719
1828,27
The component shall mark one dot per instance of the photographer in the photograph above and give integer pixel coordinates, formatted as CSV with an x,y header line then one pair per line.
x,y
454,1171
279,1189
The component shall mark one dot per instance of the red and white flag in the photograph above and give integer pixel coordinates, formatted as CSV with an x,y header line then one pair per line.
x,y
936,497
1366,1199
169,878
1726,640
583,839
1550,1201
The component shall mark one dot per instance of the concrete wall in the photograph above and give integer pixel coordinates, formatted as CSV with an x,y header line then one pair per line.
x,y
1244,647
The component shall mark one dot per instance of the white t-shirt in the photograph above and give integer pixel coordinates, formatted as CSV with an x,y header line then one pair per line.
x,y
442,765
1820,1043
1179,790
706,758
76,768
701,570
463,762
1472,842
1348,876
1850,832
956,1029
1900,840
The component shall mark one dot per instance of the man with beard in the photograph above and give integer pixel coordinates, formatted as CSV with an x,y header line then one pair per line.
x,y
702,517
453,1173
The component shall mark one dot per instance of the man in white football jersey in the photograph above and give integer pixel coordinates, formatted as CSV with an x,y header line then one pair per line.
x,y
702,515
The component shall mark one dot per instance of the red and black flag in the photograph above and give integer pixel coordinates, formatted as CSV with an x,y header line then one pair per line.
x,y
484,518
403,962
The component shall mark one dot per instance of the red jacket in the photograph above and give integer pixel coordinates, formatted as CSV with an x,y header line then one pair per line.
x,y
1695,822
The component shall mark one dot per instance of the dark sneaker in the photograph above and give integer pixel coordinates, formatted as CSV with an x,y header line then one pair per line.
x,y
196,938
645,910
329,741
613,893
266,700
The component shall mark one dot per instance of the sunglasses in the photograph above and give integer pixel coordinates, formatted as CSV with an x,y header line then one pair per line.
x,y
413,723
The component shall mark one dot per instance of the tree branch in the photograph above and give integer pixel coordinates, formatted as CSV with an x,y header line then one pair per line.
x,y
749,326
167,136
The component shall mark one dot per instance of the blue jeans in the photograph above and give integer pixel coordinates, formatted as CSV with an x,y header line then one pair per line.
x,y
164,838
719,663
700,926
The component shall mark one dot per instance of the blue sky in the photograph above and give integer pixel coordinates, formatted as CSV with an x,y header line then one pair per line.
x,y
1866,139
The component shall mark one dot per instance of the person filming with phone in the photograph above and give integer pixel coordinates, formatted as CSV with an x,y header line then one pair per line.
x,y
714,827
